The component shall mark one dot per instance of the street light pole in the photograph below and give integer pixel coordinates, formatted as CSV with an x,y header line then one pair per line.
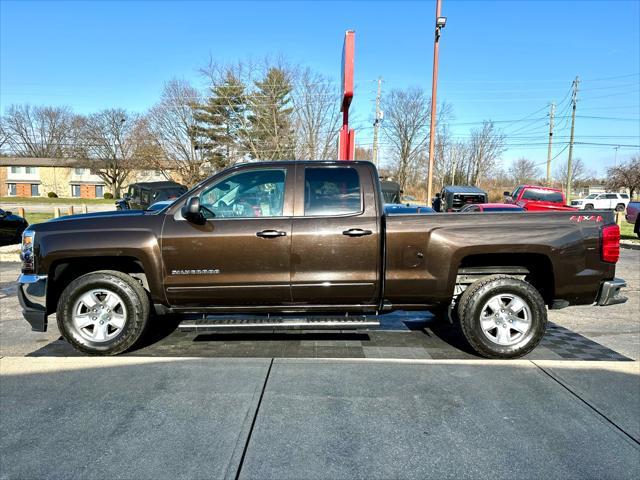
x,y
440,23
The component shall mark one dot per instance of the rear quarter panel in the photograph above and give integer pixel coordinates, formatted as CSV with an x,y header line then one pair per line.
x,y
423,253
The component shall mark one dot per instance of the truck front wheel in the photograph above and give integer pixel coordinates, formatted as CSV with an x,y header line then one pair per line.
x,y
103,313
502,317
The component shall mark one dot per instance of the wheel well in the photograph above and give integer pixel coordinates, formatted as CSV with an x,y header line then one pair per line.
x,y
536,269
65,271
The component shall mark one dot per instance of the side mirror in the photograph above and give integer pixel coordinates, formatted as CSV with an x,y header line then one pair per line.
x,y
506,194
191,211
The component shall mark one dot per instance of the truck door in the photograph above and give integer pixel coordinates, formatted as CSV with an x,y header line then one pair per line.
x,y
241,255
335,251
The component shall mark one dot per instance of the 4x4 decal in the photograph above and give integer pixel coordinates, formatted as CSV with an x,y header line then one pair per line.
x,y
586,218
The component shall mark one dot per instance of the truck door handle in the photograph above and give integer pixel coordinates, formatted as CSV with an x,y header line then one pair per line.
x,y
357,232
271,234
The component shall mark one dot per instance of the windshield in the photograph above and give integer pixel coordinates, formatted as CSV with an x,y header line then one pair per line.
x,y
542,195
168,193
593,195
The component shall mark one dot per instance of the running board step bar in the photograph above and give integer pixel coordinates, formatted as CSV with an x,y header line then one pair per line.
x,y
219,322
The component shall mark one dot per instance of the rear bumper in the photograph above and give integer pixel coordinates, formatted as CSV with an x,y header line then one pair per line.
x,y
610,292
32,294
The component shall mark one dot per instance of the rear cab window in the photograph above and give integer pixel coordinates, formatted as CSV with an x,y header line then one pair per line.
x,y
542,195
332,191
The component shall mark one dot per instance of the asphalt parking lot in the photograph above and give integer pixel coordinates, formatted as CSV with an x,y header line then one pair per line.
x,y
404,401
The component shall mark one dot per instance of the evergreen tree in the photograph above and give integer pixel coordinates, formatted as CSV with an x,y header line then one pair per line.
x,y
220,122
270,133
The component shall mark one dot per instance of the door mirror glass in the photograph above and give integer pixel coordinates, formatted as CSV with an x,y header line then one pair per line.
x,y
191,211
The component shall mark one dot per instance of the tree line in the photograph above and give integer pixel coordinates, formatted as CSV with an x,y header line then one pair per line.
x,y
264,110
258,112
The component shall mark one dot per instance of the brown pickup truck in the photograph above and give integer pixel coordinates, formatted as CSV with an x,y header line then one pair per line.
x,y
307,244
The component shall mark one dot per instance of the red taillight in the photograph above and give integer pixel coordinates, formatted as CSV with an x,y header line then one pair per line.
x,y
610,243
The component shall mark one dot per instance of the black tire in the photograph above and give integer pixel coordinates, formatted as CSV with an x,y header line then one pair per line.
x,y
620,207
133,296
588,206
470,308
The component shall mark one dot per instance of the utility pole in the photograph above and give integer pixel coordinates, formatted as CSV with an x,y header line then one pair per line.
x,y
440,23
574,100
376,123
615,161
551,113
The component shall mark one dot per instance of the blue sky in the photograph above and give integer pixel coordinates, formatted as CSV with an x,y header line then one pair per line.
x,y
500,60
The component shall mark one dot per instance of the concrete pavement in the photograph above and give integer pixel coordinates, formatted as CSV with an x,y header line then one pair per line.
x,y
287,418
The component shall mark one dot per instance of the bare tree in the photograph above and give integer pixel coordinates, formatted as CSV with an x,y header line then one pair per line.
x,y
4,134
362,153
578,172
109,142
316,116
626,175
38,131
485,148
406,118
524,171
456,156
173,123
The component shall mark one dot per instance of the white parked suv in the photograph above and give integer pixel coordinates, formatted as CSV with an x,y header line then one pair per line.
x,y
602,201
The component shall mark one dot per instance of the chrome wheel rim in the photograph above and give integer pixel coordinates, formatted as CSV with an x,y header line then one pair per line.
x,y
505,319
99,315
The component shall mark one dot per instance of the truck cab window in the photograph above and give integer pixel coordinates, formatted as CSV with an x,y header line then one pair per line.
x,y
256,193
331,191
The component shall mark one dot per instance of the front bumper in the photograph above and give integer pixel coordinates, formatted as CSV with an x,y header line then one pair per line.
x,y
32,294
610,292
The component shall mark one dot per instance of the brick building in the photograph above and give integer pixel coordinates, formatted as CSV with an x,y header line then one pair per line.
x,y
36,177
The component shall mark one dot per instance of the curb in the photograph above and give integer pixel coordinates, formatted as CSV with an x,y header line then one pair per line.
x,y
630,246
10,257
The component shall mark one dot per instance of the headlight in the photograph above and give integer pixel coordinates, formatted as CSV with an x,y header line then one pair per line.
x,y
26,252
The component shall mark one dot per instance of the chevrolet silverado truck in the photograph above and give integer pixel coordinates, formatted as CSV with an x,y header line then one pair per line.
x,y
307,245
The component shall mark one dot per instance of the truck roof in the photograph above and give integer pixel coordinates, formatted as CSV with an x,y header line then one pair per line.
x,y
463,189
540,187
163,184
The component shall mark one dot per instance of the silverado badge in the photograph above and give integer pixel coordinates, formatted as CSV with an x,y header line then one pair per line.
x,y
209,271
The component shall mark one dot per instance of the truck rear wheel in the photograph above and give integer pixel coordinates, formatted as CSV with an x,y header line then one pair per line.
x,y
502,317
103,312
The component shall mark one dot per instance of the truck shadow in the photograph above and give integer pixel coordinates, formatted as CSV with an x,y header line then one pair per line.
x,y
412,338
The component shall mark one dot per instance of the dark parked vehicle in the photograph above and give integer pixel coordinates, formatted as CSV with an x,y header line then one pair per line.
x,y
141,196
11,228
632,215
311,238
391,192
454,197
491,207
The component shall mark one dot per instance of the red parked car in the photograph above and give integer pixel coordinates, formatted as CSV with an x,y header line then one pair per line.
x,y
633,209
534,198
